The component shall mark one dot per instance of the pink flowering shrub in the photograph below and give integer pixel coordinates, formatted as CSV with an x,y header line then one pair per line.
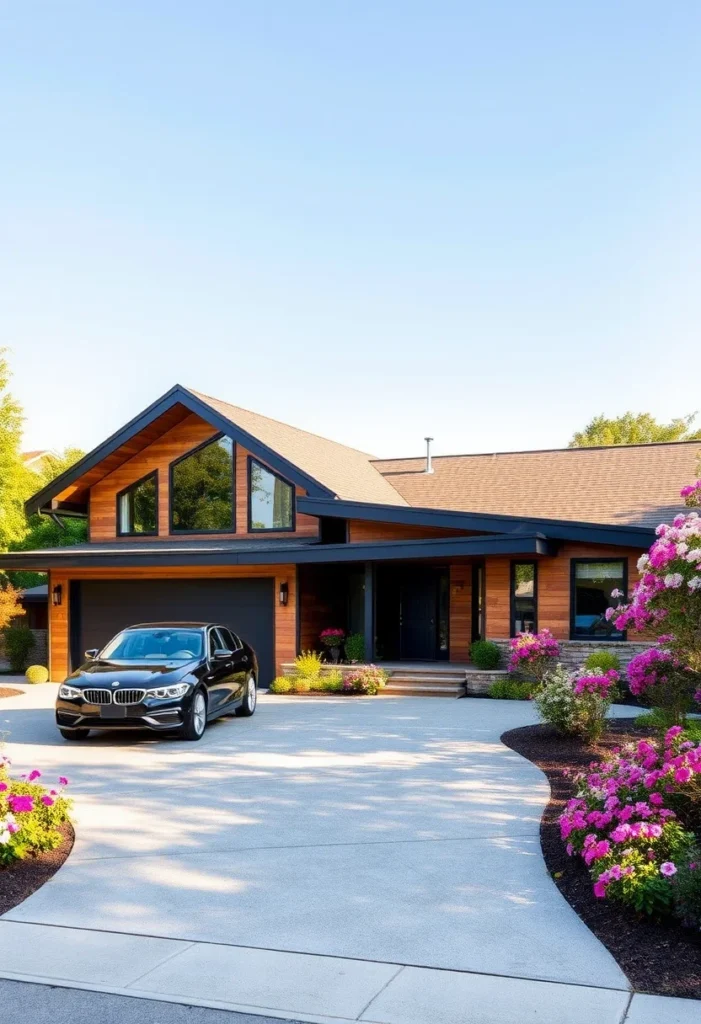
x,y
30,814
332,637
533,654
667,600
576,704
630,824
367,680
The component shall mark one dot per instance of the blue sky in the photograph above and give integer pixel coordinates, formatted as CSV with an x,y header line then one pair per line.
x,y
373,220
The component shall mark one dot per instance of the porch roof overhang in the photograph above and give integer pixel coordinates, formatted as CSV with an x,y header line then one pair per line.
x,y
162,554
638,537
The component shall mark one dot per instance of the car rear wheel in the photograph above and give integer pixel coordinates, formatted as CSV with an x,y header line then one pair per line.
x,y
250,699
74,734
196,718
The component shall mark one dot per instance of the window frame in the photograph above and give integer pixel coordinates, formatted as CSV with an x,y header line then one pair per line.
x,y
574,562
152,474
269,529
512,592
181,458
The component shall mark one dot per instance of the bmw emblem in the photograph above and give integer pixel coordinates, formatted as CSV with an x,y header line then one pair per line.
x,y
116,683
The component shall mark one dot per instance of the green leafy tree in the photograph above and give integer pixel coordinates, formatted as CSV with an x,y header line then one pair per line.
x,y
634,428
15,478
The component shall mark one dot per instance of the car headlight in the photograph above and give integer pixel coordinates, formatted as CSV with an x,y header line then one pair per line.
x,y
164,692
69,692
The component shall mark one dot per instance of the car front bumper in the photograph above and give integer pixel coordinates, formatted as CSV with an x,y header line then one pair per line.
x,y
158,715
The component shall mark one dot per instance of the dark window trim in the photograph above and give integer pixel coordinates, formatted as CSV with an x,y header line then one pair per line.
x,y
574,562
512,592
478,601
271,529
181,458
125,490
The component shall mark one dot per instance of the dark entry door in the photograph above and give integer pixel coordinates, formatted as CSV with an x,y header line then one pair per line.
x,y
418,623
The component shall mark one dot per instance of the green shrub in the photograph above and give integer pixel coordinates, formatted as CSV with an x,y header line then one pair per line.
x,y
355,647
308,664
603,661
281,685
300,685
686,891
575,706
329,682
512,689
37,674
19,641
485,654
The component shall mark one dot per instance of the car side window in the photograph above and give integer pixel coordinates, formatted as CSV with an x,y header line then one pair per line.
x,y
232,641
214,642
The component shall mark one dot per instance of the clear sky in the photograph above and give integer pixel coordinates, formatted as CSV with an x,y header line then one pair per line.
x,y
372,219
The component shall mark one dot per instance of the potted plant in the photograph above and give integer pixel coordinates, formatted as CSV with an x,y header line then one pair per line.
x,y
332,639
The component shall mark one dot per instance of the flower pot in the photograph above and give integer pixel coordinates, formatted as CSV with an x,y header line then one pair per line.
x,y
335,653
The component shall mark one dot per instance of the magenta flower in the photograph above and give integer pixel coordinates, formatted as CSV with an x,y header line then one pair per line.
x,y
668,869
62,780
47,801
33,775
20,804
3,787
683,775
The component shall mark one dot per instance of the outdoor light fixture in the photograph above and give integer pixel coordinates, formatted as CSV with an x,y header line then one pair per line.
x,y
284,593
56,594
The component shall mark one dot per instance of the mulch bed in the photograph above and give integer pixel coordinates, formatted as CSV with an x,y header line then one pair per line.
x,y
661,958
9,691
26,876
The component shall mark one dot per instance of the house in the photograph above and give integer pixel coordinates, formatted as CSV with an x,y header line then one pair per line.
x,y
198,509
37,460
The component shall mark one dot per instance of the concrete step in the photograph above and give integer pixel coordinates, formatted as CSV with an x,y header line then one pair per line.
x,y
418,688
427,677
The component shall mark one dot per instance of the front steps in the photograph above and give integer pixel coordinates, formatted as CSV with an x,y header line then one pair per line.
x,y
425,682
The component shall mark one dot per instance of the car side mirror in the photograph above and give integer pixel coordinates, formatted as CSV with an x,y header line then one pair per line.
x,y
221,655
92,653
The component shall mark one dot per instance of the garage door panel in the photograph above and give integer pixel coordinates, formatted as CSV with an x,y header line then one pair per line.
x,y
245,605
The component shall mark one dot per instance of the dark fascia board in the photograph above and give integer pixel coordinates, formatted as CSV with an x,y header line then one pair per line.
x,y
41,501
638,537
69,558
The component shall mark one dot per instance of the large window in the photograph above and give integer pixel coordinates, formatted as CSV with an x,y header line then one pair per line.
x,y
270,499
202,489
524,597
137,508
593,582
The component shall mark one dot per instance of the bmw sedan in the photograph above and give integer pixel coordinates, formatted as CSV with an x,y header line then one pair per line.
x,y
163,676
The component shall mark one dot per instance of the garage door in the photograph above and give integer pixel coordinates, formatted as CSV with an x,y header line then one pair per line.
x,y
100,608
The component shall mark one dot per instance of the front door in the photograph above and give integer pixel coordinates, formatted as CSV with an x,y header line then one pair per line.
x,y
418,628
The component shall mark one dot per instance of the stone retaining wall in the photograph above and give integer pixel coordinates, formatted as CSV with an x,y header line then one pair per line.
x,y
574,652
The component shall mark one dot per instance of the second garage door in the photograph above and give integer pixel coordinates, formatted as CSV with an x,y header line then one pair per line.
x,y
100,608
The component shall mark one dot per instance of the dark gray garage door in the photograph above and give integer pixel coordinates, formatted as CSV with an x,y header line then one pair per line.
x,y
103,607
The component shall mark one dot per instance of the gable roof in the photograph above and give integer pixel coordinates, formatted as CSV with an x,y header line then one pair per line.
x,y
636,485
345,471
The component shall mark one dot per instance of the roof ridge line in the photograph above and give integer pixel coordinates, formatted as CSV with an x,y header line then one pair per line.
x,y
540,451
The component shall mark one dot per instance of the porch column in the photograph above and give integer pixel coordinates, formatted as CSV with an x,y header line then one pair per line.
x,y
369,613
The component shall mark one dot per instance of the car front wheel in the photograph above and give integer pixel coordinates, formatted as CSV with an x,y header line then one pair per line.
x,y
250,699
196,717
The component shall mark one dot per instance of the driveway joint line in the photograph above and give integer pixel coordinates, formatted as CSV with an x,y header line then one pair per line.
x,y
624,1016
302,846
378,993
327,956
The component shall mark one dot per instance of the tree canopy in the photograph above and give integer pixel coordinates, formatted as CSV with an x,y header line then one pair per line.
x,y
634,428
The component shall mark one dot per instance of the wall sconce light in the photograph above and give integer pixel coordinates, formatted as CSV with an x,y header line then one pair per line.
x,y
284,593
57,595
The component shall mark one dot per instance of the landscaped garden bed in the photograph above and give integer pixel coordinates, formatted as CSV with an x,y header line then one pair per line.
x,y
656,953
36,834
311,675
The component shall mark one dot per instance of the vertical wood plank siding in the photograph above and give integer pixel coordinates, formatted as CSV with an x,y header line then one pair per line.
x,y
460,611
285,616
180,439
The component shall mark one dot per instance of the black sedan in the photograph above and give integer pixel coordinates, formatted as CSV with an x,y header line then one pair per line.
x,y
163,676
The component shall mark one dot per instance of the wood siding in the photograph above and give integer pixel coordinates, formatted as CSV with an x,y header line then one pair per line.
x,y
361,531
460,611
285,616
157,456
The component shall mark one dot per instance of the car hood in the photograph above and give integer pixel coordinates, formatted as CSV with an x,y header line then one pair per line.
x,y
105,673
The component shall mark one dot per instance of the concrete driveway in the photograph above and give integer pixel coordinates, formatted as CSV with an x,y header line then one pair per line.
x,y
385,831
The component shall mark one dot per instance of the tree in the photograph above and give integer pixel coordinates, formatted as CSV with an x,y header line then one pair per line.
x,y
634,428
15,478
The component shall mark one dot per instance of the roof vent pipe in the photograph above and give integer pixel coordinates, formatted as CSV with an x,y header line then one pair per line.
x,y
429,466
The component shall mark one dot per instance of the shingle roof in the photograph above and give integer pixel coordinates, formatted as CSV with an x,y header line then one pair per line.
x,y
633,484
350,474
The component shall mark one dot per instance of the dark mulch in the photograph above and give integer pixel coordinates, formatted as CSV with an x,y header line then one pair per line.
x,y
9,691
661,958
26,876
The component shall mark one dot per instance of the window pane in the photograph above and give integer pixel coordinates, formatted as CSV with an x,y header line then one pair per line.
x,y
138,512
202,486
593,583
271,500
523,600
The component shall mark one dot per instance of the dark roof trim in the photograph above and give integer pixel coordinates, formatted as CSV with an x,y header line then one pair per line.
x,y
145,555
177,395
557,529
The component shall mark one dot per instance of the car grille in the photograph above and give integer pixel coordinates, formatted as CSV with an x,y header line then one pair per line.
x,y
128,696
97,696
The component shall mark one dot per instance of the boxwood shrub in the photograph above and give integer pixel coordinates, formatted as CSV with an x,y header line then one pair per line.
x,y
485,654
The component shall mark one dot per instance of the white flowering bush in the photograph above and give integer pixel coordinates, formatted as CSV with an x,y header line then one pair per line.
x,y
576,704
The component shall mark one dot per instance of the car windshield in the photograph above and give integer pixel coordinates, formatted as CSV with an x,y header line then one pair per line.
x,y
154,645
